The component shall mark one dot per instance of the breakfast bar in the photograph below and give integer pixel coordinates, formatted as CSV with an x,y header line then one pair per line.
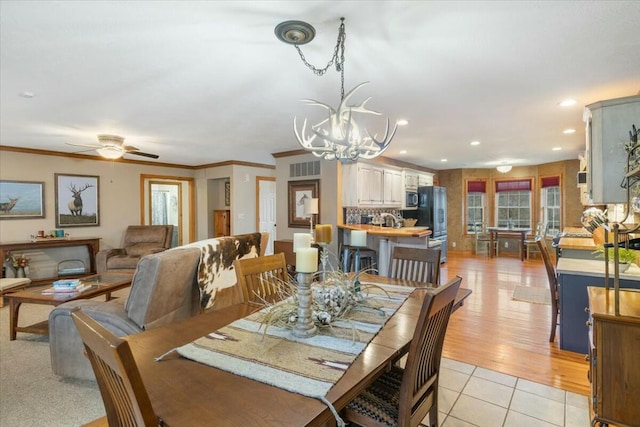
x,y
384,238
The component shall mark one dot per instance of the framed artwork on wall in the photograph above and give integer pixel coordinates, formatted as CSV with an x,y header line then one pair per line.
x,y
227,193
21,199
77,200
299,191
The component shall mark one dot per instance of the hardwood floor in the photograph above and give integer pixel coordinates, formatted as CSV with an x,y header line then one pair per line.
x,y
494,331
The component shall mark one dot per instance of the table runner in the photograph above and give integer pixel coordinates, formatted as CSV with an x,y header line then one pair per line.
x,y
307,366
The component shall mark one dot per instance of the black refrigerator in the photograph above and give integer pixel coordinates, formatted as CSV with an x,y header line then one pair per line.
x,y
432,212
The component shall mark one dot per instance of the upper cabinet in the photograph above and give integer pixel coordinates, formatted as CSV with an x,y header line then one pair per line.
x,y
607,130
410,179
393,188
425,179
365,184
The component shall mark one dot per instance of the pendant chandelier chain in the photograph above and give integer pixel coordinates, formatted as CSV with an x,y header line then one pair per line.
x,y
337,58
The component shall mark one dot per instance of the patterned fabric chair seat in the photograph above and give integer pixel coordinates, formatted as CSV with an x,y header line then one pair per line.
x,y
381,400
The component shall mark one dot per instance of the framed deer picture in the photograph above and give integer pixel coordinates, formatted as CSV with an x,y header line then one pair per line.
x,y
21,199
77,200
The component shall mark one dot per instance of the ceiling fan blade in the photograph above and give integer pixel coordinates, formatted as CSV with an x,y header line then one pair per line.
x,y
140,153
84,145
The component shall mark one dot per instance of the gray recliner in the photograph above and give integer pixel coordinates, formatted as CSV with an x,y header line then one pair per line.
x,y
164,290
139,240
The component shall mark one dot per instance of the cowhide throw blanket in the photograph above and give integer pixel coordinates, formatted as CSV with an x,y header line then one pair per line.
x,y
215,270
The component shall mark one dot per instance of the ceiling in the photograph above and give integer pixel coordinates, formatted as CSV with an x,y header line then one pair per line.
x,y
200,82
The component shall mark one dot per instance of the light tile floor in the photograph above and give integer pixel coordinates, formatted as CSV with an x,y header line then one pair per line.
x,y
476,397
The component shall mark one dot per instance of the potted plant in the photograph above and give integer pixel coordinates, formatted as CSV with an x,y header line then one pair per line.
x,y
625,256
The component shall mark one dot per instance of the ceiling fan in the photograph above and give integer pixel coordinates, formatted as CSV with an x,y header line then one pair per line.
x,y
112,147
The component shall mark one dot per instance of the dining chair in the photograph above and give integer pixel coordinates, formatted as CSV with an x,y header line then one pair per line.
x,y
403,397
124,395
262,279
483,238
552,276
531,243
415,264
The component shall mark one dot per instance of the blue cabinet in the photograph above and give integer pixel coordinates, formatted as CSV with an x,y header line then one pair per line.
x,y
574,300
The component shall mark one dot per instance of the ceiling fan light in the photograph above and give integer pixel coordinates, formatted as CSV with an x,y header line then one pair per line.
x,y
110,152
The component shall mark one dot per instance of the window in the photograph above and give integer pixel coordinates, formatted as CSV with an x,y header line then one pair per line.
x,y
513,203
550,204
475,204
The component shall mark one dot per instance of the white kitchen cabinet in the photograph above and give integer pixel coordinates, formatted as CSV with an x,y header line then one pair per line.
x,y
364,184
410,179
370,185
607,130
425,179
393,188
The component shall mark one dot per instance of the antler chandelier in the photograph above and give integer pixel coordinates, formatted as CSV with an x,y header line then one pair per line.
x,y
338,136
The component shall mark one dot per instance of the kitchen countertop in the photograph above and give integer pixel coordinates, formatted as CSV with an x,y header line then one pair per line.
x,y
592,268
376,230
582,243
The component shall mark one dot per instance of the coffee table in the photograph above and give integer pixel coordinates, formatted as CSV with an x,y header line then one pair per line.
x,y
101,284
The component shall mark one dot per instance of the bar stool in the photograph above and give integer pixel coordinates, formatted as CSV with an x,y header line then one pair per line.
x,y
368,259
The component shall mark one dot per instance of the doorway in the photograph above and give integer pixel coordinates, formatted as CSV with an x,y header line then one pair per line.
x,y
169,200
266,209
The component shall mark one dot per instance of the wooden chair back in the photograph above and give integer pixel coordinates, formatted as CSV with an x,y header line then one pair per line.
x,y
482,237
416,264
125,398
261,279
419,388
552,277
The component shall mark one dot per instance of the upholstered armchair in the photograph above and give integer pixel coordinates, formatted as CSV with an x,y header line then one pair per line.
x,y
139,240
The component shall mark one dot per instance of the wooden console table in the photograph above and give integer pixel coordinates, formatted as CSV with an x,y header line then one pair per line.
x,y
92,244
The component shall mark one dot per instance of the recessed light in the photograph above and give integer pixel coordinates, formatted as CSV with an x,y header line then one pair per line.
x,y
569,131
26,94
475,142
403,151
568,103
402,122
557,148
443,160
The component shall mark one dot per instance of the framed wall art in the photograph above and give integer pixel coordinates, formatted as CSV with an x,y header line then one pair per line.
x,y
299,191
77,200
21,199
227,193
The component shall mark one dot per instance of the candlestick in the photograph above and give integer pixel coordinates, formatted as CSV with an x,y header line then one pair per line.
x,y
323,233
307,260
304,327
301,240
358,238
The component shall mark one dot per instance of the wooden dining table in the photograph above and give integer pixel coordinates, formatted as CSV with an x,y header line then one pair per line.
x,y
496,232
186,393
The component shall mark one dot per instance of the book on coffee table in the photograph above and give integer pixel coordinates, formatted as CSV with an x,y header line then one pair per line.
x,y
56,290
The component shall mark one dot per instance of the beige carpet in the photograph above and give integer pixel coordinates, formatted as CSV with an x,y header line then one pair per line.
x,y
30,394
534,295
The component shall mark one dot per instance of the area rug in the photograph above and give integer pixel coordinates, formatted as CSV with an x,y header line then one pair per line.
x,y
534,295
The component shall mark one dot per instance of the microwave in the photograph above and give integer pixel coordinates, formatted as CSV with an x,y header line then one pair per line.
x,y
411,199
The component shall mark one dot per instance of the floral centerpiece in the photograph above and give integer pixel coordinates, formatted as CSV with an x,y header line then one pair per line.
x,y
19,262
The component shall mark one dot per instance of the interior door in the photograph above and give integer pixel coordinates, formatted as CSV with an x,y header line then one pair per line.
x,y
266,204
